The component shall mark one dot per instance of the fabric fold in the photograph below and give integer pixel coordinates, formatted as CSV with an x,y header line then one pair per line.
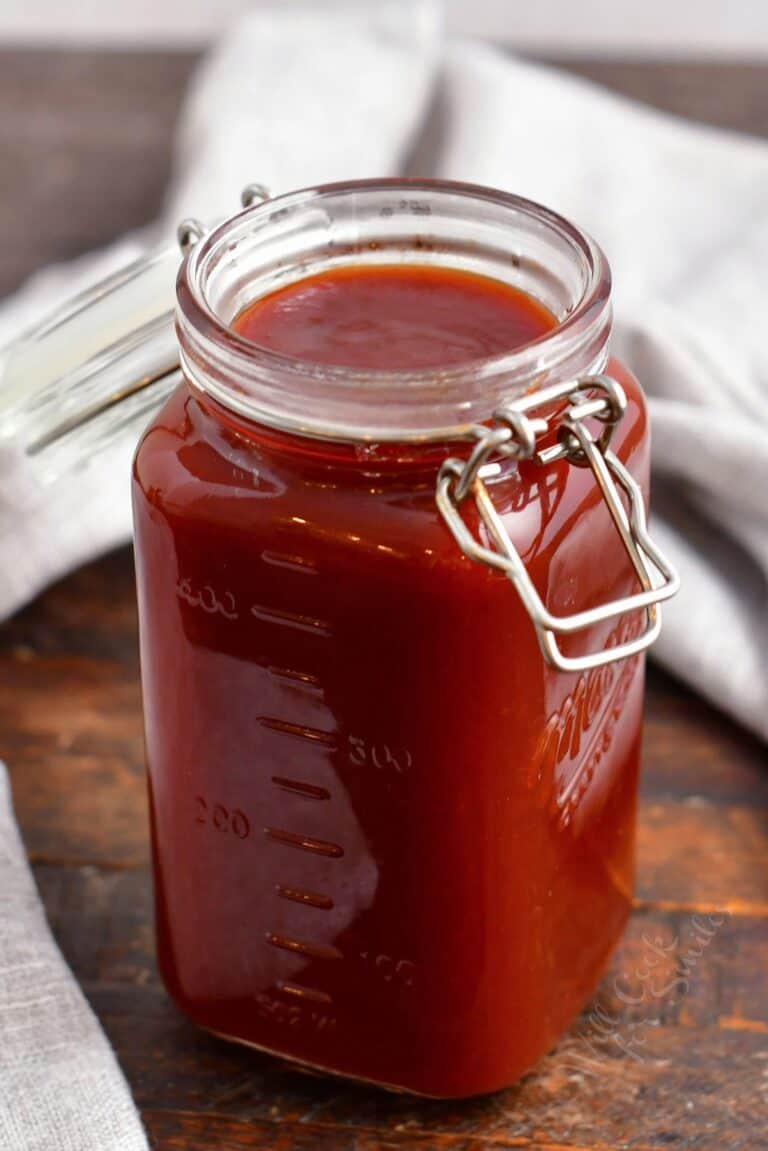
x,y
60,1085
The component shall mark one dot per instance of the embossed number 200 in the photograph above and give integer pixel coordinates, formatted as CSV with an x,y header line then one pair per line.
x,y
218,816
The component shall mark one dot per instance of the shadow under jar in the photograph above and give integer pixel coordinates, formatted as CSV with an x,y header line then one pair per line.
x,y
391,839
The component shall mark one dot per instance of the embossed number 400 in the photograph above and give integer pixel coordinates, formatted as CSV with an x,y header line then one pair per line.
x,y
219,817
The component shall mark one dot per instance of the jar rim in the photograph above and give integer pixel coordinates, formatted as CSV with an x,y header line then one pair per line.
x,y
238,372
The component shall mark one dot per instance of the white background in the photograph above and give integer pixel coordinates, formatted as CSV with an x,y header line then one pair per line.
x,y
659,27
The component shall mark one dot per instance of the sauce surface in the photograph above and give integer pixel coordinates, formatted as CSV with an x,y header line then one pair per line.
x,y
394,317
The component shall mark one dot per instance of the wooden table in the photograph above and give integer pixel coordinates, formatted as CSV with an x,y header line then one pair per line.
x,y
674,1051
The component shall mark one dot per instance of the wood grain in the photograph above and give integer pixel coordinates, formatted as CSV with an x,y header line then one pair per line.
x,y
673,1052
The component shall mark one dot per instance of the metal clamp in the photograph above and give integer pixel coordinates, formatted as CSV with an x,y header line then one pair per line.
x,y
514,434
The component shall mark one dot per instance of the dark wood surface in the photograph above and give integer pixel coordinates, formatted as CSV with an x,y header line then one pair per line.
x,y
674,1051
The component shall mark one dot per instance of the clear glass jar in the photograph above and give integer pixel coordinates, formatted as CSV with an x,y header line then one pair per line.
x,y
390,839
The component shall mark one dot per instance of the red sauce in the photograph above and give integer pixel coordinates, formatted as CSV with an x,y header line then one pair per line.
x,y
388,840
394,317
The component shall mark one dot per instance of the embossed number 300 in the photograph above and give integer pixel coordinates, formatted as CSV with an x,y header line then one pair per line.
x,y
378,755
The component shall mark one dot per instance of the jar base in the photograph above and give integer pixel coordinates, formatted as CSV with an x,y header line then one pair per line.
x,y
316,1069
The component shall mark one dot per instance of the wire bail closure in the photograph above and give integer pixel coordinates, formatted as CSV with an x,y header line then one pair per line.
x,y
514,434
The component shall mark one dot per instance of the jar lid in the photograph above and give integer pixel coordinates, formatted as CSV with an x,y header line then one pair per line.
x,y
95,369
98,364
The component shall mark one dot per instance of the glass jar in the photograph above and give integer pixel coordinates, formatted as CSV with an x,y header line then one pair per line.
x,y
393,804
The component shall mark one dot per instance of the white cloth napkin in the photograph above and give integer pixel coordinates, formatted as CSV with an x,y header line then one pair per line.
x,y
60,1086
299,94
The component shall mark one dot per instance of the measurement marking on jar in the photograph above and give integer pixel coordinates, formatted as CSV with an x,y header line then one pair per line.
x,y
391,968
292,1014
309,994
308,898
292,562
299,787
305,842
310,682
208,599
303,946
292,619
222,818
363,753
299,730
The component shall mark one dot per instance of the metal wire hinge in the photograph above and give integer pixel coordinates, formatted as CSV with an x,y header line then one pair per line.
x,y
518,427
